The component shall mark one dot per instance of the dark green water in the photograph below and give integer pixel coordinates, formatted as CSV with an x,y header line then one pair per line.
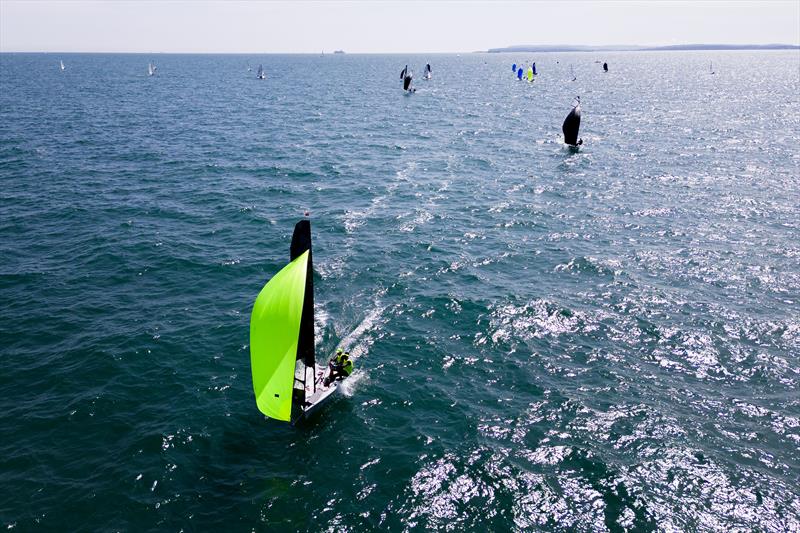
x,y
607,340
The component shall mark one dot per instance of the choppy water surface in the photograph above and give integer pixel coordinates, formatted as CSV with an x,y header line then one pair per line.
x,y
607,340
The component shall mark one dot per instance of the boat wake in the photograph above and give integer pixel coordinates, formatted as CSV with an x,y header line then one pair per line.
x,y
352,342
354,219
348,386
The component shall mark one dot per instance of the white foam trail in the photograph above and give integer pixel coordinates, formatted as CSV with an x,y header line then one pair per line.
x,y
321,319
355,219
349,385
349,343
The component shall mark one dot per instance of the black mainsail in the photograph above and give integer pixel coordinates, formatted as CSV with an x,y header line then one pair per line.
x,y
301,241
572,124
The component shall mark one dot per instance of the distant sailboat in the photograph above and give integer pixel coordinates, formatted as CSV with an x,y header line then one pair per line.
x,y
408,88
534,69
151,69
514,68
428,71
605,67
62,66
261,75
572,124
572,73
711,67
530,74
519,73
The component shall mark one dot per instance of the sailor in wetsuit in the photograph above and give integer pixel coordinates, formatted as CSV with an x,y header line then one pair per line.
x,y
340,366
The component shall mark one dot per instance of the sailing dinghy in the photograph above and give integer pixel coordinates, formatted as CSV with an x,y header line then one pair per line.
x,y
151,69
286,381
408,88
572,125
62,66
261,75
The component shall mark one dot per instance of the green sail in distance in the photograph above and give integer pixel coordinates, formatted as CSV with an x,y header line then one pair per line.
x,y
274,333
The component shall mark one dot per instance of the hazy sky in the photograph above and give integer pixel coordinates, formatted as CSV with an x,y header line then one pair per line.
x,y
390,26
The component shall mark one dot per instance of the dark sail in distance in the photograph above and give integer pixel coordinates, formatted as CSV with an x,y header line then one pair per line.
x,y
571,125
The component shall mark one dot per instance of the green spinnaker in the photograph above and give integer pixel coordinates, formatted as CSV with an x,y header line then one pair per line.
x,y
274,332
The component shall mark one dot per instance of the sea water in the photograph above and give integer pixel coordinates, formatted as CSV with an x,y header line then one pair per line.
x,y
544,340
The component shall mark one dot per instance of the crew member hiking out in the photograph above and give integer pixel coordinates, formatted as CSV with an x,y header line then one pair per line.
x,y
340,366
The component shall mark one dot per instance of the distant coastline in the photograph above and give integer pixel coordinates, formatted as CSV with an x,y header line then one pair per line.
x,y
635,48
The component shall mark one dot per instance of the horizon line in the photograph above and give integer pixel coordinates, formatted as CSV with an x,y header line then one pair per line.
x,y
546,48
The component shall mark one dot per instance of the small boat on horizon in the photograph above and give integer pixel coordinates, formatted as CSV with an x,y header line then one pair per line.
x,y
63,68
261,75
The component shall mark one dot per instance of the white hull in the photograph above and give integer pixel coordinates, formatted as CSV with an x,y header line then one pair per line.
x,y
319,396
